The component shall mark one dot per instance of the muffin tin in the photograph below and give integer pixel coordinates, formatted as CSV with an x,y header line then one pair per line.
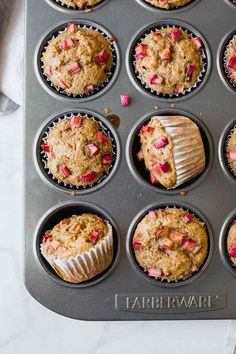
x,y
123,292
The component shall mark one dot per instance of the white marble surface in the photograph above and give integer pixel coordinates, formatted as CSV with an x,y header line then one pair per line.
x,y
28,328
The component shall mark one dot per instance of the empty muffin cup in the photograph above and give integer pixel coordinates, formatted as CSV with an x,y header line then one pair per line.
x,y
63,74
175,6
92,258
70,6
76,151
180,150
152,74
169,244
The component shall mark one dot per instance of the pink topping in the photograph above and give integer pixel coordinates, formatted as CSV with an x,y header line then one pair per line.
x,y
152,214
137,245
75,68
93,149
72,28
232,76
140,155
74,228
160,232
178,236
101,137
189,71
107,159
166,55
232,250
125,100
65,171
231,64
179,88
63,84
165,166
156,273
94,236
46,237
46,148
161,143
155,80
156,36
89,88
75,121
176,34
156,169
146,129
47,70
153,179
89,177
168,244
231,155
54,244
198,42
188,244
102,57
140,51
195,269
67,43
188,217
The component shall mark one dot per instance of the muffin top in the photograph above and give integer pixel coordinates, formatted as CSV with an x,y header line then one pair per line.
x,y
77,60
82,4
78,151
74,235
169,60
231,60
168,4
172,150
231,242
170,244
231,151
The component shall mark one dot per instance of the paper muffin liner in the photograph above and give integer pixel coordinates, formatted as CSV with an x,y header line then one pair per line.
x,y
109,73
84,266
76,8
186,91
230,133
228,257
193,274
227,71
44,156
171,9
189,154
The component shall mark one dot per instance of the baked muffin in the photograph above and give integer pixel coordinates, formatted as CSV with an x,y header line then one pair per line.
x,y
79,247
82,4
172,150
231,60
168,4
77,60
78,151
169,60
231,243
231,151
170,244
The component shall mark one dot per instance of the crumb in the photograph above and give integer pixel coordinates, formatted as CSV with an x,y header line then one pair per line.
x,y
107,110
173,105
200,114
140,194
156,108
88,10
73,194
112,39
183,193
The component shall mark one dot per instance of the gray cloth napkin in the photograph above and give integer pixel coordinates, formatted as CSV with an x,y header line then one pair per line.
x,y
11,48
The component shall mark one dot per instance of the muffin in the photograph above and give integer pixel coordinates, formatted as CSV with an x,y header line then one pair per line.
x,y
231,60
169,60
78,151
170,244
231,151
231,243
77,60
168,4
79,247
172,150
81,4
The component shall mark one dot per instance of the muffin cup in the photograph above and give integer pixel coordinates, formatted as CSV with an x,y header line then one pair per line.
x,y
232,3
58,92
84,266
174,10
137,168
137,80
89,268
226,134
222,61
58,5
140,270
40,157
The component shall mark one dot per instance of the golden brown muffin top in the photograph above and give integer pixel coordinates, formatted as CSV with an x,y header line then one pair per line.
x,y
168,4
231,59
82,4
170,244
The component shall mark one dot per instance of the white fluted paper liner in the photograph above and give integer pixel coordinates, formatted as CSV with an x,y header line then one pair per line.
x,y
189,153
87,265
96,89
174,94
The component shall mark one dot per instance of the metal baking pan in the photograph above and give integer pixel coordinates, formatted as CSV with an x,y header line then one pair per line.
x,y
123,292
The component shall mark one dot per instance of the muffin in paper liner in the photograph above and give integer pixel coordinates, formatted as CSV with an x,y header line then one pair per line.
x,y
44,156
68,6
230,147
187,157
110,73
227,71
173,95
87,265
231,243
163,7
